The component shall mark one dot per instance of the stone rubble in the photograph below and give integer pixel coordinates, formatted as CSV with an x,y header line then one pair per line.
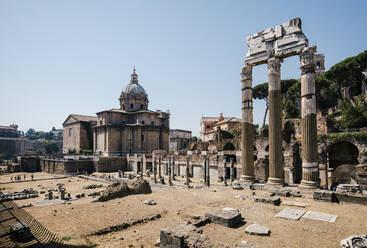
x,y
290,213
270,200
228,217
355,241
256,229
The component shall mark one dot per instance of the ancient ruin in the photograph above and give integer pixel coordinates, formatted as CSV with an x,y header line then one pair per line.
x,y
271,46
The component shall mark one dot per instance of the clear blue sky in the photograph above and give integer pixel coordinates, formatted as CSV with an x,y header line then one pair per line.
x,y
62,57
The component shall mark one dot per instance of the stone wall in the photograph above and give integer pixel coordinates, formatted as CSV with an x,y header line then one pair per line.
x,y
66,166
110,164
120,140
30,163
72,141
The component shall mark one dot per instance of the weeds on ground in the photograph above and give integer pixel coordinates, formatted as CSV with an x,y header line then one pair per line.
x,y
91,243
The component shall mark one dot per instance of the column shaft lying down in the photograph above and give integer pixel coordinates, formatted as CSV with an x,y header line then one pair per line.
x,y
310,171
247,127
275,123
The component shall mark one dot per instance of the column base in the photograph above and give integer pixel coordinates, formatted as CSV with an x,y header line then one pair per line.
x,y
247,179
275,181
308,184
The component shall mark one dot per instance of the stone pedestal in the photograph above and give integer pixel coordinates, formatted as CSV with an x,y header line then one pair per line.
x,y
275,124
310,170
247,127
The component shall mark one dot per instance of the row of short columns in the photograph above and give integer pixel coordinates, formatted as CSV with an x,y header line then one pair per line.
x,y
157,165
308,114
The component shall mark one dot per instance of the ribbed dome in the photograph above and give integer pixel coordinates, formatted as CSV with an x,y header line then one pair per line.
x,y
134,88
133,97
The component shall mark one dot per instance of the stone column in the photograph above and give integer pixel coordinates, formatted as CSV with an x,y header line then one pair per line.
x,y
204,168
207,172
231,175
169,171
159,168
247,127
173,167
154,169
310,170
275,123
225,172
187,170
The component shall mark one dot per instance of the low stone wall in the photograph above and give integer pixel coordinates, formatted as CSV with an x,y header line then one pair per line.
x,y
110,164
30,163
66,166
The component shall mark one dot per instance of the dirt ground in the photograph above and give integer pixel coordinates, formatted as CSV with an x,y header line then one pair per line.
x,y
81,217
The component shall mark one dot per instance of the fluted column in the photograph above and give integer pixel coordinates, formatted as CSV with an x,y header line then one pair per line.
x,y
247,127
275,123
310,170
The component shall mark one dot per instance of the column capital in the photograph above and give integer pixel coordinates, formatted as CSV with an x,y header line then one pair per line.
x,y
307,60
246,72
274,65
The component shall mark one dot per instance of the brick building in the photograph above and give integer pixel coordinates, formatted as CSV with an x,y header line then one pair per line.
x,y
132,128
78,133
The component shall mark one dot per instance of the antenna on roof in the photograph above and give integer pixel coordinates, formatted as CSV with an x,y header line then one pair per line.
x,y
134,70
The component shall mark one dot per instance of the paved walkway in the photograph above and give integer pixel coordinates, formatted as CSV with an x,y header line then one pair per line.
x,y
38,179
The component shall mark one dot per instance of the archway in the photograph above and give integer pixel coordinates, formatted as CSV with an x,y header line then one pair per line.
x,y
343,157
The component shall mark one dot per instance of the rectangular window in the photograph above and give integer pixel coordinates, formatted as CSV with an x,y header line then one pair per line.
x,y
130,137
142,137
70,132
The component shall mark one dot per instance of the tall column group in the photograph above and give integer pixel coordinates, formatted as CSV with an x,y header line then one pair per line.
x,y
310,171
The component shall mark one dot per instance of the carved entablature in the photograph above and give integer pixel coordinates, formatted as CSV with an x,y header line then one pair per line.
x,y
282,41
246,72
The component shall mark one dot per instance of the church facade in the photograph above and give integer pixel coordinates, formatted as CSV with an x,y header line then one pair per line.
x,y
132,128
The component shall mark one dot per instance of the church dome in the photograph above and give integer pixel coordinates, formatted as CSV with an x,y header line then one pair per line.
x,y
133,97
134,89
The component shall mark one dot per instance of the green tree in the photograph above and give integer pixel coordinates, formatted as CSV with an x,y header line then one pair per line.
x,y
194,138
348,73
50,147
326,93
260,92
290,109
354,113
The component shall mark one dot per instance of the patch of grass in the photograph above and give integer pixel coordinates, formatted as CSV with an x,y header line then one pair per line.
x,y
91,243
66,238
131,245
